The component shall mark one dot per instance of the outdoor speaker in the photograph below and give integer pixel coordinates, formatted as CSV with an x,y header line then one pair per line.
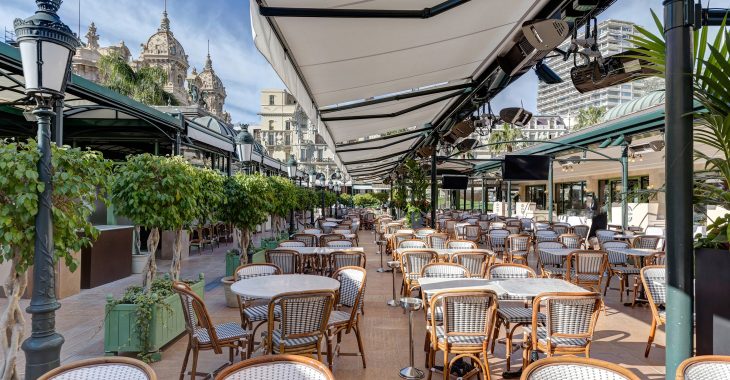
x,y
515,115
545,35
467,145
614,70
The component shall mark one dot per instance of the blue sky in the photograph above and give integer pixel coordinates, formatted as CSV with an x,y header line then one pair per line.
x,y
227,24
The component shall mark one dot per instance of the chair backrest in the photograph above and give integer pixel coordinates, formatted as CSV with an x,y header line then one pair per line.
x,y
444,270
571,367
472,233
292,243
465,313
546,235
313,231
414,261
659,258
587,263
107,368
615,257
647,241
604,235
450,225
568,315
539,226
421,233
475,262
546,258
508,271
406,231
324,239
398,238
497,239
497,225
654,279
256,270
343,231
277,367
339,244
412,243
471,220
707,367
340,259
518,243
286,260
303,314
581,230
437,241
196,314
309,239
461,244
392,227
513,230
526,224
571,240
352,289
484,225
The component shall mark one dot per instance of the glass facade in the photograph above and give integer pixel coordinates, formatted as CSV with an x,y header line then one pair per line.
x,y
570,197
536,194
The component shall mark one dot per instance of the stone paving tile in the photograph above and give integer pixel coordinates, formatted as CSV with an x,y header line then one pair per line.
x,y
620,335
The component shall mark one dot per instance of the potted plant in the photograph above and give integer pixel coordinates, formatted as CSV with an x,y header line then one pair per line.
x,y
79,179
246,204
139,257
712,129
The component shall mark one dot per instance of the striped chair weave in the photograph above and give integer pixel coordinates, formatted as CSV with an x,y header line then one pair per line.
x,y
289,244
569,316
224,331
546,258
413,262
581,230
421,233
309,239
287,261
569,371
526,224
280,370
339,244
518,315
616,257
106,371
571,240
412,243
444,270
497,239
509,271
346,259
655,284
437,241
707,370
647,242
460,244
604,235
324,239
303,319
313,231
546,235
467,318
561,228
475,262
472,233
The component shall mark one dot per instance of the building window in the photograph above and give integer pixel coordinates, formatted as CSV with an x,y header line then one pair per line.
x,y
536,194
271,125
303,154
272,100
271,139
287,139
571,197
287,125
319,154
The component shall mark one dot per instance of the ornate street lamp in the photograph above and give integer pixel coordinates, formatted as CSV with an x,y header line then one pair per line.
x,y
336,186
246,140
291,168
46,47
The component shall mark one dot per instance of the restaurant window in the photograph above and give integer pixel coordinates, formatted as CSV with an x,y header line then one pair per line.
x,y
537,195
570,197
611,190
272,100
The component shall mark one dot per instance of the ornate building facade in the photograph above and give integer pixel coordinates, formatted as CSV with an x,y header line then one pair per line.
x,y
204,91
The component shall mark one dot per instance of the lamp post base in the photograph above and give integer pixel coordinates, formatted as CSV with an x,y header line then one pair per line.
x,y
411,373
393,303
383,270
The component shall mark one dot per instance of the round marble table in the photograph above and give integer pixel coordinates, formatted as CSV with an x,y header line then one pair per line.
x,y
268,287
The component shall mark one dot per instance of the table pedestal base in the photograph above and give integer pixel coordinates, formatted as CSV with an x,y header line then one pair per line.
x,y
393,303
411,373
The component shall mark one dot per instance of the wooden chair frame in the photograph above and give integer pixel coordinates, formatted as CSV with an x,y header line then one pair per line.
x,y
488,261
574,360
510,251
656,318
352,324
684,365
297,259
118,360
272,359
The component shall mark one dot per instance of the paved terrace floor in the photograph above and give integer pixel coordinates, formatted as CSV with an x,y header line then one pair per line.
x,y
620,335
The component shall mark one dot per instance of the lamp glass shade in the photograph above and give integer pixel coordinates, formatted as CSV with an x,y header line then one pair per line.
x,y
45,66
247,150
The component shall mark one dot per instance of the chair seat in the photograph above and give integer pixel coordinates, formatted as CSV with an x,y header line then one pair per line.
x,y
224,331
559,342
414,276
291,342
259,313
555,271
518,315
439,314
519,253
460,340
584,277
338,317
626,270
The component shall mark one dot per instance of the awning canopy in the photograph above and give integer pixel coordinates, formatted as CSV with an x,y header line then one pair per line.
x,y
364,69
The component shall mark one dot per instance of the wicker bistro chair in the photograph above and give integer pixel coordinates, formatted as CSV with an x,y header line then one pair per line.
x,y
412,243
572,241
509,271
497,225
411,265
292,244
437,241
654,280
445,270
197,240
351,295
545,235
288,261
467,321
254,313
619,266
303,325
107,368
340,259
518,247
526,224
461,244
570,321
313,231
550,265
392,227
396,239
497,240
340,244
473,233
277,367
586,268
659,258
604,236
513,230
203,335
345,231
707,367
450,228
476,262
326,238
575,368
422,233
582,230
561,228
309,240
647,241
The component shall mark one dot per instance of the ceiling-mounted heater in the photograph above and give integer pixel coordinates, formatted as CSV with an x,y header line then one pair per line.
x,y
536,40
612,71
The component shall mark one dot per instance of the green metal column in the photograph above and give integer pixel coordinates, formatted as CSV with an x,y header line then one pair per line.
x,y
464,200
625,186
434,186
550,191
484,195
678,32
509,199
472,193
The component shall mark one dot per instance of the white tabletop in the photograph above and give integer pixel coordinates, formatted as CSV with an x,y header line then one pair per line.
x,y
558,251
446,251
347,236
322,250
635,251
268,287
515,288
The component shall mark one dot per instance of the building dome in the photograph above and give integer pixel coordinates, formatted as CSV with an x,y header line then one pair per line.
x,y
210,80
164,43
215,125
649,100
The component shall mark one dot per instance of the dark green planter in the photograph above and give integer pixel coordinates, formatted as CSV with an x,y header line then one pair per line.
x,y
120,332
232,262
712,284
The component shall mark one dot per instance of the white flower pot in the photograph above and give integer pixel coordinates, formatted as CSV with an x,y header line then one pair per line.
x,y
139,262
231,298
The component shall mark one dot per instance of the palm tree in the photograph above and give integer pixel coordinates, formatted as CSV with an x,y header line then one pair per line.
x,y
589,116
146,85
502,139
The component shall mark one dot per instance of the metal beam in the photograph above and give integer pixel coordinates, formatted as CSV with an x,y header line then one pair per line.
x,y
395,135
359,13
377,146
678,33
625,186
394,114
407,95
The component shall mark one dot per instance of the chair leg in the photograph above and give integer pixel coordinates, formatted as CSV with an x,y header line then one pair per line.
x,y
430,357
360,345
622,279
508,344
330,357
487,373
495,336
652,331
194,369
447,369
185,361
608,282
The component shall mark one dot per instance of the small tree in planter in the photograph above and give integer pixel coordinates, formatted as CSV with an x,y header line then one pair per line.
x,y
79,179
306,200
210,195
283,201
158,193
246,203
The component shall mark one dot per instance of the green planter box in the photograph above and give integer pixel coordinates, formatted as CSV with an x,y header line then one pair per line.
x,y
232,262
269,244
120,332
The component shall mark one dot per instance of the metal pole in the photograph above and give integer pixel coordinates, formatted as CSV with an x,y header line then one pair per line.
x,y
464,202
472,194
678,31
550,191
434,188
625,187
323,207
58,138
229,164
392,209
509,199
484,195
43,347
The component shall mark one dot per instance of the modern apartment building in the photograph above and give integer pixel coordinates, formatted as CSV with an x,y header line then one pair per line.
x,y
564,100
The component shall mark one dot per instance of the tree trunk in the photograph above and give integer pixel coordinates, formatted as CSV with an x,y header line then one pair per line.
x,y
137,241
151,268
12,322
245,240
176,255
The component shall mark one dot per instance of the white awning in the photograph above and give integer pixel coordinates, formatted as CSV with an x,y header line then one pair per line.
x,y
331,61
